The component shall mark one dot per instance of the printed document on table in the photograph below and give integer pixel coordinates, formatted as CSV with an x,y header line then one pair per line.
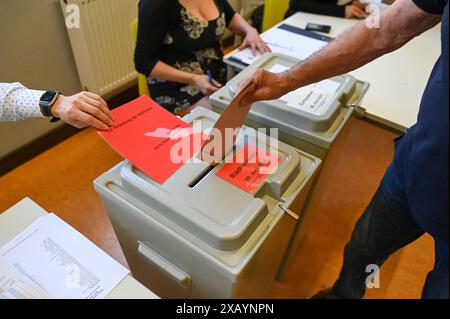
x,y
13,285
61,261
283,42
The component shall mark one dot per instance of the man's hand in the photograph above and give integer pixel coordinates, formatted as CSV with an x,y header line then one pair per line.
x,y
268,86
83,109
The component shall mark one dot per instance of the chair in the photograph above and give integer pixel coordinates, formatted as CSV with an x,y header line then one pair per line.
x,y
274,11
142,79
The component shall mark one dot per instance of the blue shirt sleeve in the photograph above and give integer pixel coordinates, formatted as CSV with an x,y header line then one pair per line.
x,y
432,6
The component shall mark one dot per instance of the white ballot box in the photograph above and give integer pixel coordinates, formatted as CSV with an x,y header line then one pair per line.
x,y
198,235
310,118
27,215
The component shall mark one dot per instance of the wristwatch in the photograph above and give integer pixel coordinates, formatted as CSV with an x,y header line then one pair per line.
x,y
46,102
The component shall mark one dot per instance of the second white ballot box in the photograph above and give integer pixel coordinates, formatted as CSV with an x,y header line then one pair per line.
x,y
310,118
198,235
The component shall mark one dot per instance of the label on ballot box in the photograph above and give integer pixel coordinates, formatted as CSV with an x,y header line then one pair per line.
x,y
313,98
249,168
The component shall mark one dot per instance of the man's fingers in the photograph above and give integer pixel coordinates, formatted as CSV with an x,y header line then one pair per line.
x,y
243,84
104,114
254,76
102,104
92,95
78,124
90,120
104,108
96,112
90,100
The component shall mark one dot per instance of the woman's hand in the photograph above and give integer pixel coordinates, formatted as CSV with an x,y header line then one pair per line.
x,y
356,10
83,109
254,41
203,84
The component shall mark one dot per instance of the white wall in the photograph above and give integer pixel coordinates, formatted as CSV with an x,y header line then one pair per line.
x,y
34,50
247,5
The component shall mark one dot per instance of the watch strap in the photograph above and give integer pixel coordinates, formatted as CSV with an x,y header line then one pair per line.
x,y
46,104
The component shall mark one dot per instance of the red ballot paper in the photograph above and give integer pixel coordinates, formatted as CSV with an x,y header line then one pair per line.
x,y
249,168
153,139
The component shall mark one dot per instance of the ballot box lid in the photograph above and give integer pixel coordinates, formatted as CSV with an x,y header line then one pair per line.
x,y
314,113
196,202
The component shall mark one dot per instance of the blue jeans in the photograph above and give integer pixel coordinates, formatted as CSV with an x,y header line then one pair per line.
x,y
386,226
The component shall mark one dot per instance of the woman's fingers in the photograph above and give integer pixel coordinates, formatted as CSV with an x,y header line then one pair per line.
x,y
359,13
217,84
262,47
266,47
243,45
211,89
254,50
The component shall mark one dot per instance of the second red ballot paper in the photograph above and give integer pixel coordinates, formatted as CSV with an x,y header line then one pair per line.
x,y
151,138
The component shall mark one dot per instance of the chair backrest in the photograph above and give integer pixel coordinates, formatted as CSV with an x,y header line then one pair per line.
x,y
274,11
142,79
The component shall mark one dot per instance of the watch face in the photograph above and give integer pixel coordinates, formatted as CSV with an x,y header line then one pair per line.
x,y
48,97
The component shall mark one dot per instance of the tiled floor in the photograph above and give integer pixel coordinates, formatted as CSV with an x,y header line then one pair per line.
x,y
61,179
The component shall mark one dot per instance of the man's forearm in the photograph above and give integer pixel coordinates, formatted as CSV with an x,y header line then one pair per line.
x,y
18,103
361,45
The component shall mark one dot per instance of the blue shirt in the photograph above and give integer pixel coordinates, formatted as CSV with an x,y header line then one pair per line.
x,y
422,155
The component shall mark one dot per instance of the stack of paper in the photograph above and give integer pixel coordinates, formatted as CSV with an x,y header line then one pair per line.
x,y
50,259
13,285
288,40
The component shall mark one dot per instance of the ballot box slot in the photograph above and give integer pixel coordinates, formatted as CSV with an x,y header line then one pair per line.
x,y
200,177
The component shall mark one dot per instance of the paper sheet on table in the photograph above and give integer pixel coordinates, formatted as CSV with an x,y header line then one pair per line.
x,y
312,98
13,285
61,261
284,42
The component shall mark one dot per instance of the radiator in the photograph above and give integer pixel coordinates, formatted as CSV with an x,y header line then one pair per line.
x,y
103,44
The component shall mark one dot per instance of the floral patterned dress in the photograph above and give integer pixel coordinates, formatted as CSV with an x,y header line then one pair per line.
x,y
170,33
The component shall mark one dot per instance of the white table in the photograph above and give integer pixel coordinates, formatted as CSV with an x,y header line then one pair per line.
x,y
397,80
24,213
